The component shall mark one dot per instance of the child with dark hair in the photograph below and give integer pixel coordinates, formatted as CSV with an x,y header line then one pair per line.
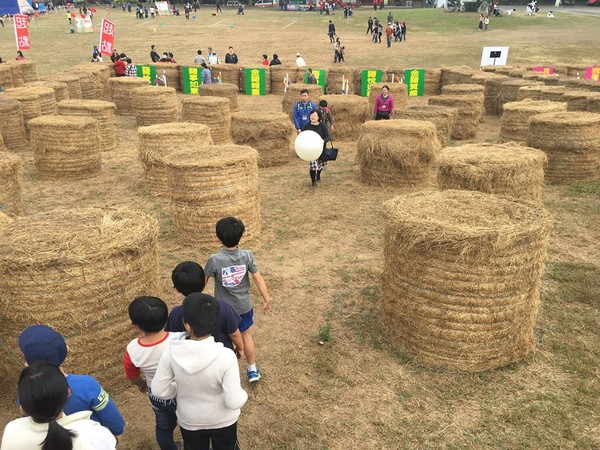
x,y
204,377
43,393
230,268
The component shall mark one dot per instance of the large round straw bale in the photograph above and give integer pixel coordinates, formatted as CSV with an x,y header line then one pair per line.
x,y
476,90
229,73
335,77
461,277
397,152
442,117
17,73
61,91
469,112
349,113
101,75
515,118
11,168
28,70
593,103
271,134
292,96
493,87
509,90
91,86
121,88
278,74
47,98
72,82
225,90
552,93
12,127
158,141
398,91
77,271
267,80
531,92
103,112
571,141
31,104
173,74
207,184
211,111
153,105
65,147
457,75
510,170
433,78
576,100
6,80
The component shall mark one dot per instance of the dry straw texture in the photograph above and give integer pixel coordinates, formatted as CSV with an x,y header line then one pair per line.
x,y
398,91
593,103
61,90
469,113
442,117
510,170
229,73
493,87
271,134
28,70
433,78
576,100
532,92
517,73
77,271
278,74
457,75
476,90
5,219
461,277
101,75
335,76
158,141
552,79
120,91
552,93
515,118
480,77
31,104
349,113
72,82
211,111
574,71
225,90
91,87
47,98
6,80
581,84
17,73
153,105
12,126
292,96
509,90
208,184
173,74
11,168
571,141
397,152
66,147
504,70
101,111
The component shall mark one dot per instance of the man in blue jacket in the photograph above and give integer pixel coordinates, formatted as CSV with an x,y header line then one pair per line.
x,y
302,111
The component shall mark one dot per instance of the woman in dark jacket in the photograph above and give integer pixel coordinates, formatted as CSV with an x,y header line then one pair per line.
x,y
316,124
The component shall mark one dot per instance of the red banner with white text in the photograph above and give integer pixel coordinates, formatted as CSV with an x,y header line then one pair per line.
x,y
107,37
21,22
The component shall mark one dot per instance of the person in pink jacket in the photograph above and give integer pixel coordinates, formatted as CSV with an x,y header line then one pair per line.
x,y
384,104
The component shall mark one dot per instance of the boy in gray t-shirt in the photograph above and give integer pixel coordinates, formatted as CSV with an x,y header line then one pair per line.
x,y
230,268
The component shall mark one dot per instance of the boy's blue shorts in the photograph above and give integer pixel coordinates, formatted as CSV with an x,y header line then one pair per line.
x,y
247,320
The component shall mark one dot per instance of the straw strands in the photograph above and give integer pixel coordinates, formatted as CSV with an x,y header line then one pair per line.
x,y
120,90
6,80
11,168
576,100
398,91
593,103
433,78
72,82
571,141
28,70
225,90
47,98
442,117
4,219
493,87
552,93
278,74
384,162
229,73
65,147
153,105
103,112
211,111
61,91
469,112
531,92
509,90
461,277
336,75
515,119
457,75
12,127
91,86
349,112
17,73
172,72
31,104
207,184
78,270
292,96
476,90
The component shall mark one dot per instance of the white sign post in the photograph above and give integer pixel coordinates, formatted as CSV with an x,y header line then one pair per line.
x,y
494,56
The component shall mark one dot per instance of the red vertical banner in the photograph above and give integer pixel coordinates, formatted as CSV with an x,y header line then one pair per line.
x,y
22,31
107,37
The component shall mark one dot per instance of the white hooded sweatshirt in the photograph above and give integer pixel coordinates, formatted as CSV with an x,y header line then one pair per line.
x,y
204,377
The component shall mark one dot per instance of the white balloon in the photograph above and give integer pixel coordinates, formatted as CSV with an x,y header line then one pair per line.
x,y
308,145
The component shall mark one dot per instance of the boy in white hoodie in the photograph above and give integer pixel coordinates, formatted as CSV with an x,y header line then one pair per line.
x,y
204,377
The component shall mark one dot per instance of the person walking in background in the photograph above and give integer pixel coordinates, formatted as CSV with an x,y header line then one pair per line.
x,y
300,60
326,115
120,65
199,59
219,10
369,26
481,19
154,56
486,23
403,31
331,32
265,60
384,104
389,32
311,79
379,32
205,75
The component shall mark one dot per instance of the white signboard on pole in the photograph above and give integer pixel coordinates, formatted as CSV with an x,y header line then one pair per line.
x,y
494,56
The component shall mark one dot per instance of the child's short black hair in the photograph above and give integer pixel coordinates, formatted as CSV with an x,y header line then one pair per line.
x,y
323,103
149,314
188,277
230,230
200,312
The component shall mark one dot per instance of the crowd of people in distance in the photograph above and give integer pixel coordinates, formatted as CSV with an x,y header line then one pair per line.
x,y
395,31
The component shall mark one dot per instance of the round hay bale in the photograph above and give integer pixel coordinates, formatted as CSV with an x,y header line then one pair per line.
x,y
466,89
433,79
593,103
225,90
77,270
271,134
120,89
211,111
6,80
461,277
229,73
552,93
158,141
61,91
571,141
12,127
457,75
509,90
17,73
103,112
514,125
66,147
173,74
493,87
72,82
335,76
510,170
386,163
349,112
469,112
292,96
576,100
442,117
28,70
91,86
31,104
11,168
267,80
47,98
207,184
398,91
101,75
153,105
530,92
278,74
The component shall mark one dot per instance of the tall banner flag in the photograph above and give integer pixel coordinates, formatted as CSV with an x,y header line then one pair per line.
x,y
191,79
415,80
256,81
21,31
319,75
148,72
368,77
107,37
593,73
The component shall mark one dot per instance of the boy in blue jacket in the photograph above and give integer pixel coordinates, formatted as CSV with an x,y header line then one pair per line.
x,y
302,111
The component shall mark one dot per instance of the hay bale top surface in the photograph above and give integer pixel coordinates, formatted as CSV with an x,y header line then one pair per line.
x,y
64,76
338,100
463,70
535,106
8,104
153,90
206,101
22,93
8,159
252,117
70,122
466,88
53,84
400,126
89,105
128,81
521,82
553,89
576,95
219,87
570,118
465,101
491,156
295,88
73,237
164,130
210,156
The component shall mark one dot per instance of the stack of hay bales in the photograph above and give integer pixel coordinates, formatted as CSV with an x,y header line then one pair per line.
x,y
61,91
292,96
466,89
271,134
433,78
91,87
577,83
267,80
398,91
229,73
12,127
384,162
207,184
211,111
515,119
571,141
480,77
576,100
510,170
28,70
350,112
17,74
47,98
225,90
504,70
574,71
101,75
531,92
552,93
593,103
461,277
517,73
278,74
156,142
31,105
469,112
456,75
173,74
509,90
77,270
120,89
11,168
550,80
442,117
66,147
335,76
6,80
153,105
535,76
72,82
493,88
103,112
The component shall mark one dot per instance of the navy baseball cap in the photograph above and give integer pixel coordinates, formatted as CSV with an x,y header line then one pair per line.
x,y
42,343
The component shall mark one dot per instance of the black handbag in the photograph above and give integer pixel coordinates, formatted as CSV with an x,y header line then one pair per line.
x,y
329,154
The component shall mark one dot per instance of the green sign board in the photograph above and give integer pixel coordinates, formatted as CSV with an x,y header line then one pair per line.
x,y
191,79
148,72
255,81
415,82
368,77
319,75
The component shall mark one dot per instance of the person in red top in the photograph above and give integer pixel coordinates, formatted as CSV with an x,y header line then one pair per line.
x,y
265,60
120,65
389,32
384,104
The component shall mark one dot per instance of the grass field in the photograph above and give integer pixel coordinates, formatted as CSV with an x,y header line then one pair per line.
x,y
356,390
